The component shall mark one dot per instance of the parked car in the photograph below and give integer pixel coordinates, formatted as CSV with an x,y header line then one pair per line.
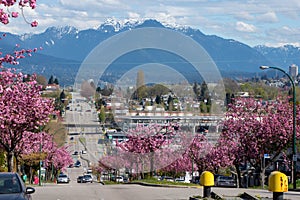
x,y
119,179
12,187
63,178
181,179
225,181
80,179
195,180
166,178
87,178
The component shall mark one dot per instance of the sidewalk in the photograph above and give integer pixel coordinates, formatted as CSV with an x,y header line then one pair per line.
x,y
230,193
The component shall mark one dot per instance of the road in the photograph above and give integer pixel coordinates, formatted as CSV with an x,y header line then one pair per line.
x,y
83,114
96,191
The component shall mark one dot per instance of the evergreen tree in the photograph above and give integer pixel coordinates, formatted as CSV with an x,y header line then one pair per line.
x,y
204,92
196,89
51,80
62,96
158,99
56,81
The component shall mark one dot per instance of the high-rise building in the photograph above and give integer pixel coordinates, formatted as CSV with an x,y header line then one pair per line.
x,y
293,71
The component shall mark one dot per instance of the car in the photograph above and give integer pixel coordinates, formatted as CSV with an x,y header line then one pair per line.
x,y
87,178
71,165
166,178
75,153
80,179
63,178
83,152
12,187
195,180
181,179
77,164
225,181
119,179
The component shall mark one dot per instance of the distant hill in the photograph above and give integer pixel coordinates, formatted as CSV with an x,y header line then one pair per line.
x,y
64,49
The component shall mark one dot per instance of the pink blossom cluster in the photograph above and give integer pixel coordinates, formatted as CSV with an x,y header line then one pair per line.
x,y
5,15
16,55
58,157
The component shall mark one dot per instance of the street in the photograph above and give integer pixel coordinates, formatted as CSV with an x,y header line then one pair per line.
x,y
96,191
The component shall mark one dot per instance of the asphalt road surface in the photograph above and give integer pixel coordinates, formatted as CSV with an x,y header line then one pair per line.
x,y
96,191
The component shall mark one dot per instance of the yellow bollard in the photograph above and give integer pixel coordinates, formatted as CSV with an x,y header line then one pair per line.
x,y
207,181
278,184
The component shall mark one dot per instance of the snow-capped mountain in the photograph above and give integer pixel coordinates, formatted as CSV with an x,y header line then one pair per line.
x,y
281,56
64,48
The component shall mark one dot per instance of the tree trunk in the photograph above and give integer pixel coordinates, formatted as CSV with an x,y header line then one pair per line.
x,y
10,161
30,175
151,163
262,175
238,184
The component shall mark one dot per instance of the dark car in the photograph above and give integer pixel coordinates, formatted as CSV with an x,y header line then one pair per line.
x,y
80,179
225,181
77,164
12,187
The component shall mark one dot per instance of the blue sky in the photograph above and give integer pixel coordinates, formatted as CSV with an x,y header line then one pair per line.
x,y
253,22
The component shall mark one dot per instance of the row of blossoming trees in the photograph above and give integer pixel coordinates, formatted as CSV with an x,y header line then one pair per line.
x,y
251,129
23,111
23,116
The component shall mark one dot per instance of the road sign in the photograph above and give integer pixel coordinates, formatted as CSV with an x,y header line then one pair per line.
x,y
266,155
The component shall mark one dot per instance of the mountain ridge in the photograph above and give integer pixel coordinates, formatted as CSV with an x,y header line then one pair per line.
x,y
71,46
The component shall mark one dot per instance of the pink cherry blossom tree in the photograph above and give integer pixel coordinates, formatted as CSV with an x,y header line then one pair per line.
x,y
207,155
253,128
22,108
54,158
145,141
148,148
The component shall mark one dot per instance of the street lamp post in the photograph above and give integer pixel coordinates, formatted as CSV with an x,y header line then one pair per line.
x,y
294,122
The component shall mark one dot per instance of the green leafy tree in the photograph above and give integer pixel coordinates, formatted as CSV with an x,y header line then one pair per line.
x,y
102,115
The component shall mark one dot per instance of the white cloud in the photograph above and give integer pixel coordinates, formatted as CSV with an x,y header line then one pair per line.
x,y
268,17
133,15
244,27
244,15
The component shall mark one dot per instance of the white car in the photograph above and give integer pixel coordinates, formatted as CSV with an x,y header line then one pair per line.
x,y
63,178
87,178
119,179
